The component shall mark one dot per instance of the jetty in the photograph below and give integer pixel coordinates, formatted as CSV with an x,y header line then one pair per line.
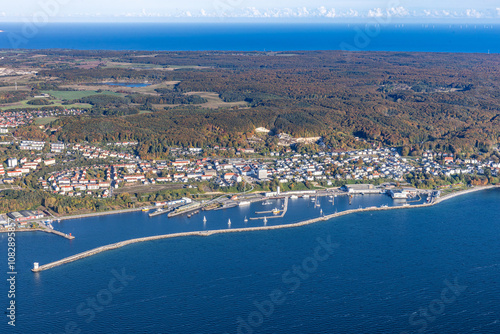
x,y
283,212
46,230
249,229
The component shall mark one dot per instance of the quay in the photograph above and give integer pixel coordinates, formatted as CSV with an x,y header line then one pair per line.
x,y
160,212
250,229
185,209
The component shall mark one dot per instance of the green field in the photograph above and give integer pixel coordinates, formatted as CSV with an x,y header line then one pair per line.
x,y
74,95
45,120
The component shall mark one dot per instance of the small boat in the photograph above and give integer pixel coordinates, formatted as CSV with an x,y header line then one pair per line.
x,y
145,209
276,211
267,202
384,206
204,219
305,196
229,223
246,219
59,220
321,212
294,197
313,199
265,220
244,203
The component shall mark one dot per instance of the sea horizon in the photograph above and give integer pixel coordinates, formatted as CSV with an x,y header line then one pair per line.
x,y
223,36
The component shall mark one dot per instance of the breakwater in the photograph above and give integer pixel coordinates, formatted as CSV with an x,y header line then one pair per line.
x,y
251,229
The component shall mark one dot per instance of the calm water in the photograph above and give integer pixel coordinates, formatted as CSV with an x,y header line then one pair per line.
x,y
387,265
254,37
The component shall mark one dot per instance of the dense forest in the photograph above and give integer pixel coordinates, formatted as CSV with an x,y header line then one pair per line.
x,y
419,100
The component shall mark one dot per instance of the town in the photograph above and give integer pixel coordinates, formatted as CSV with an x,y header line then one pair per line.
x,y
113,169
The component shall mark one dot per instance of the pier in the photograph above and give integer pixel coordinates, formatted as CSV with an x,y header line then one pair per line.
x,y
46,230
283,212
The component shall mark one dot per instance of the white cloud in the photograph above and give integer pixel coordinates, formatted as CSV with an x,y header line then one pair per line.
x,y
323,11
473,13
350,13
397,11
317,12
376,12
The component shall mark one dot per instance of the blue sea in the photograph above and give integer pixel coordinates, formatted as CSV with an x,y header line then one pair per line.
x,y
421,270
480,38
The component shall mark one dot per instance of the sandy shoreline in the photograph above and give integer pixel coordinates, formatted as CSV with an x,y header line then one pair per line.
x,y
251,229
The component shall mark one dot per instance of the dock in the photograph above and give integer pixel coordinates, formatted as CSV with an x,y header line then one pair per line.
x,y
185,210
283,212
158,212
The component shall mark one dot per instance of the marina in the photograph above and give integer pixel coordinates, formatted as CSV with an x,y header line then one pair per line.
x,y
321,216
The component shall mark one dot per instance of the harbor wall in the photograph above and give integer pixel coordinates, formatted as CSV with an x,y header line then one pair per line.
x,y
250,229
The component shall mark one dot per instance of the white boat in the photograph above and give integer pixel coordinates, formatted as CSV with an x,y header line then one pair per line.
x,y
246,219
229,223
313,199
265,220
276,211
204,219
244,203
267,203
321,212
305,196
294,197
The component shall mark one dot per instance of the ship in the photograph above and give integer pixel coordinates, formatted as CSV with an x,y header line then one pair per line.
x,y
294,197
246,219
244,203
204,219
265,220
229,223
276,211
145,209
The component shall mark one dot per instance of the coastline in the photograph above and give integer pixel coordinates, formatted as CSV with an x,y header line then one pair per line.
x,y
251,229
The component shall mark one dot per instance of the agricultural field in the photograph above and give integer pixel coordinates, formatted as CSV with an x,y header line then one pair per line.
x,y
214,101
75,95
45,120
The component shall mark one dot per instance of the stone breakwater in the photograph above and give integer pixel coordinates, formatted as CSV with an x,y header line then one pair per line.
x,y
250,229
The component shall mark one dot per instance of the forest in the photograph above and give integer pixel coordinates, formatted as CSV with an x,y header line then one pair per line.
x,y
448,102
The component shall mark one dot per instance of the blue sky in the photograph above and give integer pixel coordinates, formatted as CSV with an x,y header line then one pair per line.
x,y
116,10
